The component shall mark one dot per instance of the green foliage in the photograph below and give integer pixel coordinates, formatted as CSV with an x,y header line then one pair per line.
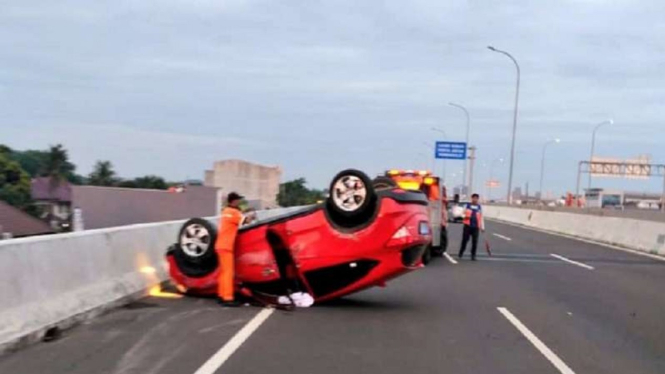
x,y
57,163
52,163
14,184
148,181
295,192
102,174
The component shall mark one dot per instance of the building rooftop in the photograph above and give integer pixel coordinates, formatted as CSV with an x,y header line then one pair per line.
x,y
47,188
19,223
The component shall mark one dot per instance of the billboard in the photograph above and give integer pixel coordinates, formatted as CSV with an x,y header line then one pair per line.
x,y
492,183
637,168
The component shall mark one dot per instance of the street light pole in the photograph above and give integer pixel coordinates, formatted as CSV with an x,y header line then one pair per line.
x,y
468,126
593,147
512,146
542,165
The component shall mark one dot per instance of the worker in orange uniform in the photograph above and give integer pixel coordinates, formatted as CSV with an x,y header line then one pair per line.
x,y
473,224
224,246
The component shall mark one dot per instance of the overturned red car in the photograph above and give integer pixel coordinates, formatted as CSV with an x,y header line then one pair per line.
x,y
360,237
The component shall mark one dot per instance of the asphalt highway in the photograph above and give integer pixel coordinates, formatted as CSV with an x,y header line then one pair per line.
x,y
540,304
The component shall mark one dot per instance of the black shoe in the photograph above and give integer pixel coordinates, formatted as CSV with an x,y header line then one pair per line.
x,y
473,259
459,256
228,304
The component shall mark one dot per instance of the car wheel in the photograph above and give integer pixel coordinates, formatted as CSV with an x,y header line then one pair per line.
x,y
427,255
352,200
383,183
195,250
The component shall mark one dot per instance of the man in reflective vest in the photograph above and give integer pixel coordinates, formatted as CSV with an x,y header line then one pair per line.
x,y
473,224
229,223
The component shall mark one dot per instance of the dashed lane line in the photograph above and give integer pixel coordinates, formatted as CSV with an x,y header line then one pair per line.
x,y
533,339
450,258
219,358
571,261
502,236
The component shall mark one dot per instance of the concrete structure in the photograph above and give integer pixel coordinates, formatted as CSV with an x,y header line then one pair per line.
x,y
256,182
103,207
59,280
645,236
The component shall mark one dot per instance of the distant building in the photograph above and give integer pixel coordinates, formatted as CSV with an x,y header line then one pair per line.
x,y
258,183
606,198
14,223
101,207
462,191
517,193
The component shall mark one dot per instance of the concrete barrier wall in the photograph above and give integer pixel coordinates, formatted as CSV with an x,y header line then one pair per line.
x,y
646,236
50,280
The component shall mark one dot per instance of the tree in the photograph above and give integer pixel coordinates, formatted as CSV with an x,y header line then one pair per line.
x,y
57,163
4,150
102,175
148,181
14,184
294,193
53,163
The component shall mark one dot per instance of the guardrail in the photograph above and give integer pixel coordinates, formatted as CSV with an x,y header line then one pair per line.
x,y
59,280
634,213
641,235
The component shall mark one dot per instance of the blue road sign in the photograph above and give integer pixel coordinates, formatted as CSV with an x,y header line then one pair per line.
x,y
450,150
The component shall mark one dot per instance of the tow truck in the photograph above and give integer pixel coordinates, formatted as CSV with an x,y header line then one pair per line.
x,y
429,184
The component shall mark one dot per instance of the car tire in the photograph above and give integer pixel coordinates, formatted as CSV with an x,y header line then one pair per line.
x,y
427,255
195,250
352,200
383,183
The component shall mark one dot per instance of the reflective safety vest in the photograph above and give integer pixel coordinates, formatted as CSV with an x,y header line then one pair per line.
x,y
229,223
473,216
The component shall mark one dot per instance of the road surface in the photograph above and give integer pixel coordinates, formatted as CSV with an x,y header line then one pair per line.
x,y
541,304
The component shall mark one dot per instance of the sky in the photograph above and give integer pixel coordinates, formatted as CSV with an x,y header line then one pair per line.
x,y
167,87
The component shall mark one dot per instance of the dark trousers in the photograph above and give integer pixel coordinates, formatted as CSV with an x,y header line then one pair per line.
x,y
471,232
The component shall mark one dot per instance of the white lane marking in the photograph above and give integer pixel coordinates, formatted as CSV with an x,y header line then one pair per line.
x,y
502,237
219,358
549,355
571,261
532,261
628,250
450,258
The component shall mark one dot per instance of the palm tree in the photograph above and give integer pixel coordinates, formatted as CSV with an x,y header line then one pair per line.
x,y
102,175
57,165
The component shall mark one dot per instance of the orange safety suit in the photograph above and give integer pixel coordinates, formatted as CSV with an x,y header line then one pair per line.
x,y
229,223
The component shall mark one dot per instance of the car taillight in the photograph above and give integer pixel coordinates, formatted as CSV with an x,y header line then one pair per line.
x,y
400,237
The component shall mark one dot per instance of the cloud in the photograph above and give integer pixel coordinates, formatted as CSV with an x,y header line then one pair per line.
x,y
320,86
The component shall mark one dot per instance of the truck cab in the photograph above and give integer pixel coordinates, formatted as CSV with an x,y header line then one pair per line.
x,y
432,186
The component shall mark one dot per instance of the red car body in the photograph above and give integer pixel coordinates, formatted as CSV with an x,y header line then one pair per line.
x,y
330,261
